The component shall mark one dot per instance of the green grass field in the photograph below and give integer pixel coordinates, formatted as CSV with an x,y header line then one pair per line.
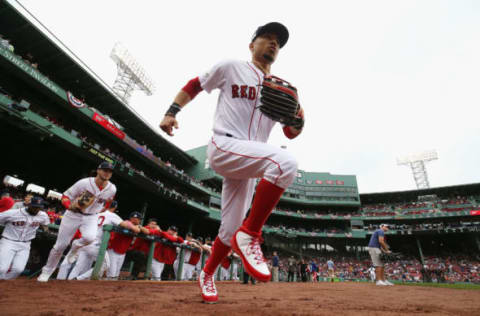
x,y
462,286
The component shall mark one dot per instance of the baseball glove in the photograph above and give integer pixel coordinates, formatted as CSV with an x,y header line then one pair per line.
x,y
279,101
83,201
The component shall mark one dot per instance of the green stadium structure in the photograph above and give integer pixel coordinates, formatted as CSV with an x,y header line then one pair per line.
x,y
50,137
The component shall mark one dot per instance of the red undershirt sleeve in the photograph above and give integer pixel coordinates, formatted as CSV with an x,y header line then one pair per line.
x,y
193,87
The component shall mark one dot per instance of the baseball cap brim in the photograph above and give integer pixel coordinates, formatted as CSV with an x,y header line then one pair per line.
x,y
275,28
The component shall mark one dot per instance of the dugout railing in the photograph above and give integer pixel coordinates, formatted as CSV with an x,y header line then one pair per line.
x,y
108,229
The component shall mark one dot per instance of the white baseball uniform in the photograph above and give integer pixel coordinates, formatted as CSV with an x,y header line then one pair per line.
x,y
238,149
157,269
88,254
20,229
86,221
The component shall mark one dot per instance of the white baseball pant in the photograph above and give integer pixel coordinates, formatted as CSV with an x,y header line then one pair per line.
x,y
225,274
105,266
240,162
70,223
187,272
64,268
116,263
86,256
13,256
157,269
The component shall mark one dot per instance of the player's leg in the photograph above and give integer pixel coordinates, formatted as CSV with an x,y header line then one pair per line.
x,y
120,260
83,263
113,264
239,159
93,254
236,197
64,269
7,253
88,229
157,269
68,226
19,262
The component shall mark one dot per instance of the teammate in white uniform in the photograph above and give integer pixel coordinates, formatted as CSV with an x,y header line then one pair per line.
x,y
86,221
87,255
20,228
238,151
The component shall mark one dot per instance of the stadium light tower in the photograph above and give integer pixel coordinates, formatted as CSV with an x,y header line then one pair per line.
x,y
130,74
417,163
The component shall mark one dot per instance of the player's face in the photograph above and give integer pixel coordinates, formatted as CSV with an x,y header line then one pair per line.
x,y
104,174
33,210
265,48
135,220
27,198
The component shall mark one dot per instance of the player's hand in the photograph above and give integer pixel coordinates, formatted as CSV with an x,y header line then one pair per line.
x,y
168,123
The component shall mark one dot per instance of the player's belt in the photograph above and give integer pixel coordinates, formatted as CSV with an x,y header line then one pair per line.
x,y
76,211
17,240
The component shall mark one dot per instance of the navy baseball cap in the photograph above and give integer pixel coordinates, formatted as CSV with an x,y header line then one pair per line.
x,y
105,165
153,219
189,235
37,201
135,215
114,204
275,28
174,228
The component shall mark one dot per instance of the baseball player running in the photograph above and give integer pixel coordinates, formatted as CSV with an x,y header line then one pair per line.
x,y
83,201
88,254
20,228
238,151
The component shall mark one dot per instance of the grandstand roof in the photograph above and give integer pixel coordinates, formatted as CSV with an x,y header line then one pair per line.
x,y
66,69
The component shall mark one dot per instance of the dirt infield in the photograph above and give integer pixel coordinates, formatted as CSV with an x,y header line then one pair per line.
x,y
28,297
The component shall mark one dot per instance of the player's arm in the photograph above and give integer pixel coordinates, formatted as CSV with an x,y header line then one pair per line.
x,y
66,202
144,230
292,132
383,244
184,96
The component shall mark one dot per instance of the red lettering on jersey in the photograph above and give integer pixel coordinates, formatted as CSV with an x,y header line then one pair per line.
x,y
101,219
251,93
243,91
235,91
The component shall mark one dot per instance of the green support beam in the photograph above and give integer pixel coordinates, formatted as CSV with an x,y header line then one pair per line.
x,y
148,270
180,264
101,252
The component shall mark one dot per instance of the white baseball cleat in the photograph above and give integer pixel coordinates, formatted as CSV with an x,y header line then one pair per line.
x,y
249,250
388,283
208,288
44,277
381,283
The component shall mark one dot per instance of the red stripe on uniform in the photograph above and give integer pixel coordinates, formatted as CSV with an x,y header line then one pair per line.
x,y
258,158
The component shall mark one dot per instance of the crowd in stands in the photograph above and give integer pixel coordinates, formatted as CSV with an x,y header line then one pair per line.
x,y
447,268
286,229
427,226
452,204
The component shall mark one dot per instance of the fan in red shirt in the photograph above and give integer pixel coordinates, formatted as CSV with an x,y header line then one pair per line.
x,y
165,255
6,202
119,244
138,253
